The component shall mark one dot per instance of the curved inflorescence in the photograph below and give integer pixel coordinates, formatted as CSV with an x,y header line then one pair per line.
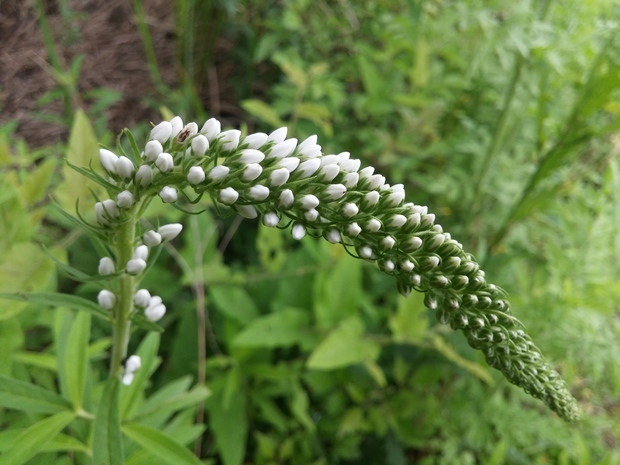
x,y
331,196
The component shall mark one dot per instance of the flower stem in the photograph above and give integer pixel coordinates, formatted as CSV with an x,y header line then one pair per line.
x,y
120,339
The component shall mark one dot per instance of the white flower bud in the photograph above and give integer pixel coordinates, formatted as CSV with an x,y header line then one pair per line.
x,y
396,197
127,379
110,207
133,364
290,163
271,219
365,252
298,231
311,215
375,181
309,142
371,198
308,167
279,177
419,209
344,156
247,211
367,172
351,166
329,172
219,172
414,219
349,210
407,266
286,198
415,279
169,231
125,199
151,238
144,175
350,180
106,266
229,195
436,241
135,266
388,242
330,160
105,210
142,251
155,312
168,194
414,243
161,132
428,220
211,129
108,160
397,221
196,175
152,149
309,148
373,225
124,167
277,136
283,149
259,192
176,124
308,202
200,145
106,299
333,236
189,130
252,171
353,230
164,162
255,141
433,261
388,266
335,191
100,214
251,156
230,139
142,298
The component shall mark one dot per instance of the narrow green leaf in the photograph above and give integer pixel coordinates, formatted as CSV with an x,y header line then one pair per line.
x,y
108,441
28,397
235,302
160,445
444,349
35,438
74,273
281,329
144,323
36,359
263,112
176,403
56,299
76,358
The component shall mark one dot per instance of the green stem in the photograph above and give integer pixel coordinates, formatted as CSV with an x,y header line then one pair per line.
x,y
122,323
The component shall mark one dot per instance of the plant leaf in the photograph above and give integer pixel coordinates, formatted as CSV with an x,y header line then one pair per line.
x,y
281,329
160,444
76,358
57,299
108,441
28,397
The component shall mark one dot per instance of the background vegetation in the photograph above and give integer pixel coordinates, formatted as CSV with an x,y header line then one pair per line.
x,y
501,116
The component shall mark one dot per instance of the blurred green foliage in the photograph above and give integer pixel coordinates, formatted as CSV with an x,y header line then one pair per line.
x,y
501,116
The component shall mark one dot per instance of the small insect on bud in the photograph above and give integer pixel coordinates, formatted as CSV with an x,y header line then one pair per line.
x,y
189,130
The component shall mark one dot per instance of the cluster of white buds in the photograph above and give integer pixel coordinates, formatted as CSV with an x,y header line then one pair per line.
x,y
132,364
330,195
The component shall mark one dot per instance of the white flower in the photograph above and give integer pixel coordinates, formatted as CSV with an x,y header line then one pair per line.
x,y
350,180
211,129
142,251
135,266
124,167
251,156
308,167
349,210
127,379
271,219
100,214
125,199
152,149
367,172
388,266
407,265
104,210
155,311
142,298
308,142
200,145
259,192
428,220
329,172
373,225
298,231
106,299
188,131
308,202
108,160
353,230
161,132
436,241
335,191
414,219
229,195
388,242
168,194
283,149
170,231
415,279
133,364
195,175
279,177
309,148
371,198
177,125
164,162
333,236
144,175
290,163
230,139
106,266
311,215
365,252
252,171
286,198
219,172
255,141
376,181
350,165
330,160
397,221
397,195
277,136
419,209
415,243
151,238
247,211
